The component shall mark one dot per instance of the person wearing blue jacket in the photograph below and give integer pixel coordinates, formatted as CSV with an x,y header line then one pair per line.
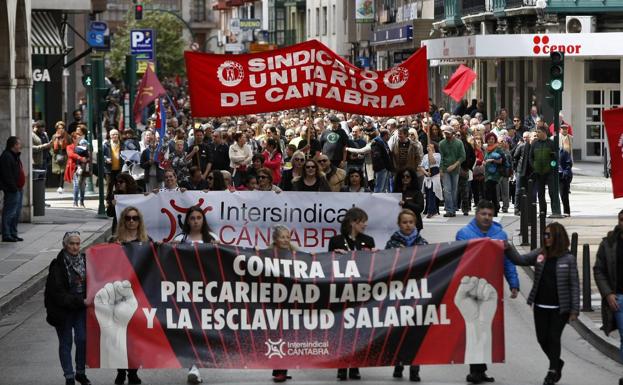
x,y
483,226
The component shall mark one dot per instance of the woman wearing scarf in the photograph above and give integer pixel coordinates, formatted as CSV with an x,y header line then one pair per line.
x,y
406,236
432,181
65,293
494,157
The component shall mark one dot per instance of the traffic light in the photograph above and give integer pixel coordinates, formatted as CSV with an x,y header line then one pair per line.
x,y
87,76
138,12
557,71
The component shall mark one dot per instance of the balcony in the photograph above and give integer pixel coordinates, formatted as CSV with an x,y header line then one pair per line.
x,y
474,7
439,10
585,6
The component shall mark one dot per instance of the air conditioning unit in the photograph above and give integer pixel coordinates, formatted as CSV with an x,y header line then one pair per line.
x,y
580,24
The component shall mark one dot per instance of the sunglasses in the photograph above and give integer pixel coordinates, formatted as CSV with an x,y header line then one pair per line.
x,y
134,218
310,167
298,159
262,177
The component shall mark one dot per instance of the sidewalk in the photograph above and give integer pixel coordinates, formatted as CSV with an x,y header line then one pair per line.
x,y
23,265
589,176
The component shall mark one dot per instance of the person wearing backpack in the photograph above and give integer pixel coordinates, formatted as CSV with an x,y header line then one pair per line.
x,y
506,173
65,302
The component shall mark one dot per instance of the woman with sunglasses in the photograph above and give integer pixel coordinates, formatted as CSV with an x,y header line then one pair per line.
x,y
65,302
555,295
265,180
351,238
131,229
312,179
298,160
412,198
124,184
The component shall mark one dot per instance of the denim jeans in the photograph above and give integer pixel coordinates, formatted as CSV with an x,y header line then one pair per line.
x,y
10,213
74,329
79,184
381,180
618,317
450,182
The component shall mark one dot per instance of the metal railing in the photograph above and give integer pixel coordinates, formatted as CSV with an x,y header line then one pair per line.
x,y
520,3
472,7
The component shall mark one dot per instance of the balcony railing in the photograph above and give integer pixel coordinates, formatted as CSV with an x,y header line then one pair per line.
x,y
472,7
520,3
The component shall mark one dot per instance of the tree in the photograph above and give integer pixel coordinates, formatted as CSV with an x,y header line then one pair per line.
x,y
169,42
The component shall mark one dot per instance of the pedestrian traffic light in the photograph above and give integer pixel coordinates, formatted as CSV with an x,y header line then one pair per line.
x,y
557,71
87,76
138,12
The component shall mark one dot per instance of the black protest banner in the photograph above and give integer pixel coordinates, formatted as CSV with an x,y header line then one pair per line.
x,y
169,306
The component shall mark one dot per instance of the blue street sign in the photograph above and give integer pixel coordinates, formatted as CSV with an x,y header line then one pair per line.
x,y
98,35
142,40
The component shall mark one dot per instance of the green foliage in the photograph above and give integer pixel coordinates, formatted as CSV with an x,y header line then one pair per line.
x,y
169,42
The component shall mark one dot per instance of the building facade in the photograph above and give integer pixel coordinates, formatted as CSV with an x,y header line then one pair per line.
x,y
508,43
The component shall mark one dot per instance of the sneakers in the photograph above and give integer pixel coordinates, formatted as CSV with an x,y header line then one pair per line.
x,y
59,190
194,377
82,379
550,379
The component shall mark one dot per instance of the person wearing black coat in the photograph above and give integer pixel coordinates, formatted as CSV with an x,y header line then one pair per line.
x,y
12,181
351,238
64,297
412,197
555,295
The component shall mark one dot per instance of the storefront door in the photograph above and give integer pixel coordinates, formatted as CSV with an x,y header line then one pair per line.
x,y
598,97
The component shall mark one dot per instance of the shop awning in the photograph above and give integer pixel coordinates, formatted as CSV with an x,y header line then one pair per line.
x,y
46,37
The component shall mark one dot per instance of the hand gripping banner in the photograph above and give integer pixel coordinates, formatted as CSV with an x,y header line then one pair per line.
x,y
302,75
171,306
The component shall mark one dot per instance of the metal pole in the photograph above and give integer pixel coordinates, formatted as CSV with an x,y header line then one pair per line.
x,y
531,199
542,227
586,278
130,75
574,244
533,227
525,229
100,86
90,126
555,195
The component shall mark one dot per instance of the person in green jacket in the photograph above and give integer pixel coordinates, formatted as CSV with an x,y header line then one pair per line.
x,y
452,155
542,161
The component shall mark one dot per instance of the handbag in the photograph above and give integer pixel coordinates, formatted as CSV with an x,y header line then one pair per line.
x,y
60,158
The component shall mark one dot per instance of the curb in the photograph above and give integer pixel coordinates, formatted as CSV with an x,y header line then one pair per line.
x,y
31,286
589,331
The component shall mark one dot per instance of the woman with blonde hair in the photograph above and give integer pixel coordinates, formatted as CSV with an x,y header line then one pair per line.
x,y
58,150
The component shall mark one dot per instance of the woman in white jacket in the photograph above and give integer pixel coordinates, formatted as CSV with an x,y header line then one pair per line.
x,y
240,155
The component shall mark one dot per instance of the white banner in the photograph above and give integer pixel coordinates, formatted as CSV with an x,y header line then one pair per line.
x,y
246,218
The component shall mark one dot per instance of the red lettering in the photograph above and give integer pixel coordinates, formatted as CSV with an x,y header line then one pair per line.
x,y
310,235
546,48
577,48
326,235
294,237
222,235
265,237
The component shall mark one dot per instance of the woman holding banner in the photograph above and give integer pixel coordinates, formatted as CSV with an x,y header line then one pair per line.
x,y
281,244
351,238
131,229
407,235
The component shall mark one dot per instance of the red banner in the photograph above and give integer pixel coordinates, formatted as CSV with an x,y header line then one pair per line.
x,y
174,305
460,82
305,74
613,120
149,89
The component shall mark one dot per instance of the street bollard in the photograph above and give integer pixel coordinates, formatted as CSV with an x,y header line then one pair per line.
x,y
525,231
533,229
574,244
522,207
531,199
586,278
542,227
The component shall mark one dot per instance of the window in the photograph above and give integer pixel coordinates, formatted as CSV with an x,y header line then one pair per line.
x,y
602,71
317,21
308,24
334,18
199,10
325,21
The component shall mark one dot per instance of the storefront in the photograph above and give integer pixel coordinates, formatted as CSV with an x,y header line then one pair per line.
x,y
513,71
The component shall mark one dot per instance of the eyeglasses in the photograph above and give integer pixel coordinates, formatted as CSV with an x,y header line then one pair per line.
x,y
134,218
515,120
310,167
547,235
298,159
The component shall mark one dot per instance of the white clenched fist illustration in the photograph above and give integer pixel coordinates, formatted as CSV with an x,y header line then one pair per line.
x,y
477,301
115,305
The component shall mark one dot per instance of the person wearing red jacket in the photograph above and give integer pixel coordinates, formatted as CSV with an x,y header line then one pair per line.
x,y
74,169
273,159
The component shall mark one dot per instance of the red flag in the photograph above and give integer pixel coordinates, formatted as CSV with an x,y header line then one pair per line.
x,y
460,82
302,75
148,90
613,120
